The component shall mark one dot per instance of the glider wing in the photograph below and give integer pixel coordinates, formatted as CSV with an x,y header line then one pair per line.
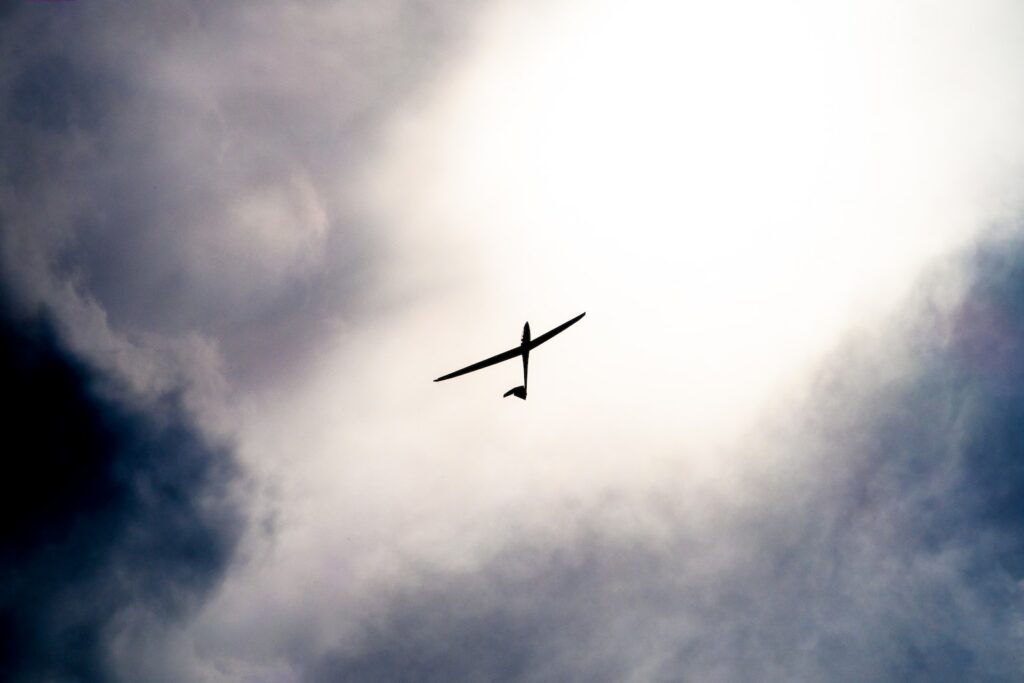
x,y
511,353
548,335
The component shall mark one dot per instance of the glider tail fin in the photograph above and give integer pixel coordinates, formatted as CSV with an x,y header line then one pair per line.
x,y
519,392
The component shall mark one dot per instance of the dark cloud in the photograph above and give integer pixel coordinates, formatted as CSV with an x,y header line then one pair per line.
x,y
888,543
51,94
106,509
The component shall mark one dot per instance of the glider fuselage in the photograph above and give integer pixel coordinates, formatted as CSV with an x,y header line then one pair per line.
x,y
526,354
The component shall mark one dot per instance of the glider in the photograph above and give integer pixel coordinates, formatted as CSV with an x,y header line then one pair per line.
x,y
522,350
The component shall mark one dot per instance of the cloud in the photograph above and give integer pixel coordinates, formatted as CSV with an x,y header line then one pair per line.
x,y
891,549
186,167
633,518
115,516
277,224
175,225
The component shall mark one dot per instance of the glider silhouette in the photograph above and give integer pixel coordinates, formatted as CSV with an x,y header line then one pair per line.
x,y
522,350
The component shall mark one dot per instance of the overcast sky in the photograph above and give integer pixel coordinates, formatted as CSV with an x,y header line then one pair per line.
x,y
239,239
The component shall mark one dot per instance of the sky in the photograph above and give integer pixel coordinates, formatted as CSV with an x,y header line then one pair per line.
x,y
239,239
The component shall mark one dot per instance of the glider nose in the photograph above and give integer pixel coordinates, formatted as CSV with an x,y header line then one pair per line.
x,y
519,392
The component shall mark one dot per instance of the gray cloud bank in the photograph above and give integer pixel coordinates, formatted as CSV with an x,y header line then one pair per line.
x,y
112,516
